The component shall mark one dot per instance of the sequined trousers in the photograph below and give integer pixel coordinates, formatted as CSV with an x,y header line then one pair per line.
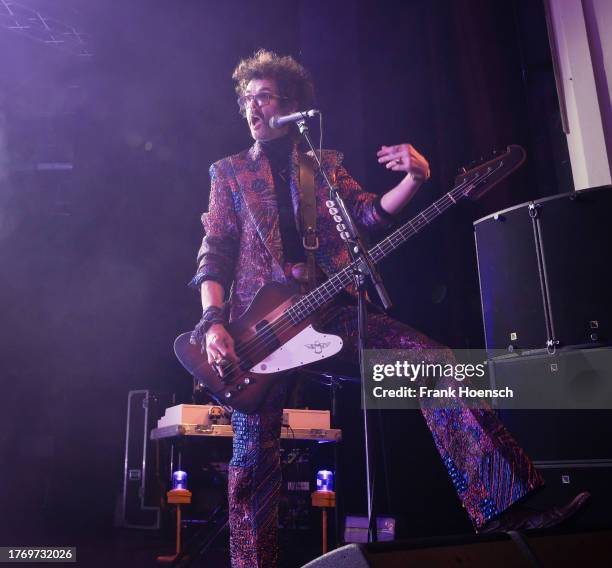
x,y
489,470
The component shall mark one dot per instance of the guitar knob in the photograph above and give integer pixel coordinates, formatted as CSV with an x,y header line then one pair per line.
x,y
247,380
228,395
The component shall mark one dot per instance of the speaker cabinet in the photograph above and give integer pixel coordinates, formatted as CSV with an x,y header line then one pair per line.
x,y
544,279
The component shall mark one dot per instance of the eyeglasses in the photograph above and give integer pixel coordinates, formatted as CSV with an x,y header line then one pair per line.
x,y
261,99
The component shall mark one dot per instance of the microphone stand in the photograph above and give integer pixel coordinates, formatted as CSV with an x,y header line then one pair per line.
x,y
365,267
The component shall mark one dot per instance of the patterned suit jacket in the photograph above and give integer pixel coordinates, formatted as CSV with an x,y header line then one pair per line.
x,y
242,247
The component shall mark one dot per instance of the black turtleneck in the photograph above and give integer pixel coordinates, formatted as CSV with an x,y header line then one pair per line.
x,y
278,151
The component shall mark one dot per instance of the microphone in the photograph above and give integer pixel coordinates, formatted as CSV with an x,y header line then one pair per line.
x,y
280,121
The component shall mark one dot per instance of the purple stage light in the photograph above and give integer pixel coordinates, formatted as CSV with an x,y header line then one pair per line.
x,y
325,480
179,480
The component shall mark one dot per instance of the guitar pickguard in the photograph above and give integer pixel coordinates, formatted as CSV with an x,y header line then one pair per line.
x,y
308,346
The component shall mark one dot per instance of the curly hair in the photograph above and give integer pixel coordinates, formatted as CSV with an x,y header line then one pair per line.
x,y
293,80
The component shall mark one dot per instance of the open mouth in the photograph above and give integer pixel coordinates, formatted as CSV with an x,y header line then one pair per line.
x,y
256,121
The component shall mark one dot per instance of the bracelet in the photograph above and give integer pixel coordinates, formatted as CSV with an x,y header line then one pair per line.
x,y
210,316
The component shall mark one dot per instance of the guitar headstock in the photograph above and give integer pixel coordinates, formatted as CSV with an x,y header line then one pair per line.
x,y
475,180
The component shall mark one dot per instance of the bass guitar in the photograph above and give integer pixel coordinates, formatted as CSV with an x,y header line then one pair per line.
x,y
276,332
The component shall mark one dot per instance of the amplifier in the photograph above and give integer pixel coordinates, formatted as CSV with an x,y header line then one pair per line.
x,y
561,427
544,279
565,479
571,448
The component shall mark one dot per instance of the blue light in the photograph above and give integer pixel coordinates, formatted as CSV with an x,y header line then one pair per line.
x,y
179,480
325,480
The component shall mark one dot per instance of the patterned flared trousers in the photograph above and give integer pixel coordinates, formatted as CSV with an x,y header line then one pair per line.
x,y
488,468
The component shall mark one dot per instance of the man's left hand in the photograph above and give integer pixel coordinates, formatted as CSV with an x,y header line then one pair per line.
x,y
405,158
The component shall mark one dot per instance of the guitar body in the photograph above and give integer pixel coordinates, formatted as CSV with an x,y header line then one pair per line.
x,y
265,350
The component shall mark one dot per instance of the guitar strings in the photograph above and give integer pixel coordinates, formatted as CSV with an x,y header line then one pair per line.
x,y
266,339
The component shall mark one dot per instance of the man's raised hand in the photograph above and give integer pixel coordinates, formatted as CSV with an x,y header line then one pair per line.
x,y
404,158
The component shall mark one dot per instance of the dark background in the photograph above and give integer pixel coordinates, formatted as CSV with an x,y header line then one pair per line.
x,y
94,260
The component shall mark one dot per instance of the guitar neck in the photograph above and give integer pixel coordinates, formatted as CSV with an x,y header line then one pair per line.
x,y
308,304
412,227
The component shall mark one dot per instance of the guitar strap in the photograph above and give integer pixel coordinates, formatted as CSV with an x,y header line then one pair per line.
x,y
308,210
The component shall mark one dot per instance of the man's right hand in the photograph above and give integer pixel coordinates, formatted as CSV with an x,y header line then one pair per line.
x,y
219,344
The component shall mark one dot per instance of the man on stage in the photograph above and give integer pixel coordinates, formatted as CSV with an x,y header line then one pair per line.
x,y
253,237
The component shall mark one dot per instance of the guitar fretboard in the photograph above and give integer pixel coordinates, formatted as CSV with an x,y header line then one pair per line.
x,y
312,301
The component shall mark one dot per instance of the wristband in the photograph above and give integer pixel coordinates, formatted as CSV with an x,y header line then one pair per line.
x,y
383,215
210,316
